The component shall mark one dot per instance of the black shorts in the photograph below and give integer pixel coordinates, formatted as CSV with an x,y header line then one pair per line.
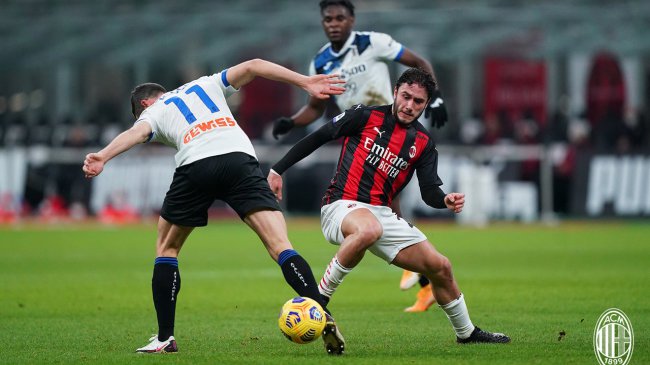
x,y
235,178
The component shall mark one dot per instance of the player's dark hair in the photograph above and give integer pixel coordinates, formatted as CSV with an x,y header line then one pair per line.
x,y
417,76
345,3
142,92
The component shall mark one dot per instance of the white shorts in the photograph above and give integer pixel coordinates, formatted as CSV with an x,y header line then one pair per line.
x,y
398,233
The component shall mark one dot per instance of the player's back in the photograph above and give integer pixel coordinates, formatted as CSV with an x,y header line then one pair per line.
x,y
196,120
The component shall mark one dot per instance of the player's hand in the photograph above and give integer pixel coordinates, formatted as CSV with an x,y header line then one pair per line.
x,y
436,110
455,201
282,126
322,86
93,165
275,182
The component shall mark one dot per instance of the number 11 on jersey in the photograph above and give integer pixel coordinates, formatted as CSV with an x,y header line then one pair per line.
x,y
185,110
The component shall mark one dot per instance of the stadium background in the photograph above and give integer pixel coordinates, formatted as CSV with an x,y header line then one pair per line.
x,y
547,101
548,132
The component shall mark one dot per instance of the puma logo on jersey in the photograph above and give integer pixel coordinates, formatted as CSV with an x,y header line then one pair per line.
x,y
378,131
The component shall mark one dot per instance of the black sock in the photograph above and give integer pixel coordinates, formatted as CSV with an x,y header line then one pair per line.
x,y
423,281
165,285
325,300
298,274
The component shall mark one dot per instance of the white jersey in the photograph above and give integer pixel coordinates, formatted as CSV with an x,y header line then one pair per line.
x,y
196,120
362,63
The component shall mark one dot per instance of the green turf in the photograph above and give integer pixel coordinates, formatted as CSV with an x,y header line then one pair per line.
x,y
82,295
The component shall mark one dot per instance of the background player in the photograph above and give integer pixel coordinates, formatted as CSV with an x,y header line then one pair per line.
x,y
361,59
215,160
383,146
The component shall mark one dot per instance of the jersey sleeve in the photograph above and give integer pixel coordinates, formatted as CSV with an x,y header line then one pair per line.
x,y
343,124
148,117
427,168
386,47
223,83
348,123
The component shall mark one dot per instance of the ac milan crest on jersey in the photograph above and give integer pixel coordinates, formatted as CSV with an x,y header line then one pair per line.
x,y
379,157
412,151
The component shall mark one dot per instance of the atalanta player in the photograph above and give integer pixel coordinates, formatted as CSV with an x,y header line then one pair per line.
x,y
214,160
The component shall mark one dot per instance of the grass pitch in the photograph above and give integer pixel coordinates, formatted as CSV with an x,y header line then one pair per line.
x,y
81,295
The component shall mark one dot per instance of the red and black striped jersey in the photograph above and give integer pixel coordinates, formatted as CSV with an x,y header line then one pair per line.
x,y
378,157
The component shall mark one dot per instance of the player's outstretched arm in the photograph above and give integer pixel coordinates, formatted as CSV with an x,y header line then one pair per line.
x,y
94,162
412,59
318,86
301,150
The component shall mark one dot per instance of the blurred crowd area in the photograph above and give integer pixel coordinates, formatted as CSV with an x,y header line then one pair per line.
x,y
58,192
567,76
616,129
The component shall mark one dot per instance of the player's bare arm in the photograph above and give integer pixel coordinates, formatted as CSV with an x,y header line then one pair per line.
x,y
412,59
94,162
310,112
318,86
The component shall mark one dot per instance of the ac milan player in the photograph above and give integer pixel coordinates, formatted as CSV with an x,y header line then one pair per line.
x,y
383,146
362,58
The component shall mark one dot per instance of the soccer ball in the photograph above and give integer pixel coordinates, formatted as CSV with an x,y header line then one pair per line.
x,y
302,320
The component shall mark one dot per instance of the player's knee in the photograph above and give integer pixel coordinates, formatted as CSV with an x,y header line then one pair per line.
x,y
445,268
370,233
440,268
168,244
167,249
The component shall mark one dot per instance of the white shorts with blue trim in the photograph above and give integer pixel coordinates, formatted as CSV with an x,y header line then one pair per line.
x,y
398,234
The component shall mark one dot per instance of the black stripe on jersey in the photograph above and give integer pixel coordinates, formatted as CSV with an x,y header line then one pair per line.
x,y
339,179
409,140
357,167
369,172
